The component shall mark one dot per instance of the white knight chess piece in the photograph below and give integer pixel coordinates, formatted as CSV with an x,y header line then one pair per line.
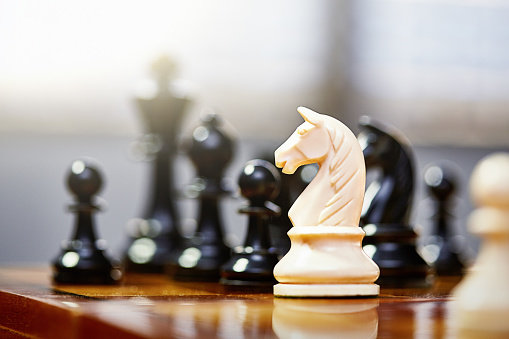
x,y
326,257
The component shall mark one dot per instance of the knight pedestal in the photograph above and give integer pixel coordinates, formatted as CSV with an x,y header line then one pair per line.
x,y
326,261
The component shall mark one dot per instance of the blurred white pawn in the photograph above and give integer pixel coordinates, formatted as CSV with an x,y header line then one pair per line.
x,y
481,300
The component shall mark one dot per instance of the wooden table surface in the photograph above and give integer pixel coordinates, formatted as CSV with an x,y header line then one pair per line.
x,y
153,306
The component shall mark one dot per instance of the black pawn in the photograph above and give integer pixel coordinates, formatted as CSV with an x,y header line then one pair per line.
x,y
291,188
441,182
279,225
253,263
202,255
390,239
83,259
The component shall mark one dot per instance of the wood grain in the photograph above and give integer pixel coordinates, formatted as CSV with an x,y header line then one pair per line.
x,y
153,306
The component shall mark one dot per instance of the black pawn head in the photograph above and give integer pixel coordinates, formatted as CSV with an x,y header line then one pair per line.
x,y
84,179
441,178
259,181
211,149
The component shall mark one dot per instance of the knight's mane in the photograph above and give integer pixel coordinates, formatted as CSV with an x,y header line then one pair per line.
x,y
341,175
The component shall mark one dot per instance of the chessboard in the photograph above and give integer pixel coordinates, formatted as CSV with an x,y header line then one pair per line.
x,y
344,263
154,306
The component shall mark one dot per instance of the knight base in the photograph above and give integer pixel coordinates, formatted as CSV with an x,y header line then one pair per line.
x,y
326,261
326,290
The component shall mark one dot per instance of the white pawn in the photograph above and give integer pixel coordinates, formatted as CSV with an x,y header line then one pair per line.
x,y
481,300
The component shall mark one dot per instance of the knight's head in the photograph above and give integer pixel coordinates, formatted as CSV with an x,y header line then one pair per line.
x,y
308,144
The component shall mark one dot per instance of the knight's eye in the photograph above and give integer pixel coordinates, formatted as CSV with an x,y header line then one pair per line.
x,y
302,131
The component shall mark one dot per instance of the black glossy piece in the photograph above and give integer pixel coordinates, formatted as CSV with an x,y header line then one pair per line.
x,y
253,263
280,224
201,256
84,259
155,236
441,181
387,204
292,187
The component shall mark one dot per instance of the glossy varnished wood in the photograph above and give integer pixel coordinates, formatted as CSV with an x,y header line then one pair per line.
x,y
152,306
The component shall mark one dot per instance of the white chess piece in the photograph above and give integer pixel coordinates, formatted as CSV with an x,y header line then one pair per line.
x,y
326,257
481,300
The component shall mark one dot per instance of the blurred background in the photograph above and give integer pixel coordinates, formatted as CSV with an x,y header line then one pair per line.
x,y
70,71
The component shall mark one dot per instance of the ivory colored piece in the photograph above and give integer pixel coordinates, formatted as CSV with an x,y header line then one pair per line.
x,y
481,300
326,257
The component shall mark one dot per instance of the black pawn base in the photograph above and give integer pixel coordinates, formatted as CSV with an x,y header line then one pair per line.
x,y
72,268
250,269
393,249
198,261
149,255
153,267
448,262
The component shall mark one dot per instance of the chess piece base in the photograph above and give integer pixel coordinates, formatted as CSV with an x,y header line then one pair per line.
x,y
405,278
395,253
179,273
96,270
326,290
199,261
481,299
85,277
248,283
150,255
326,261
250,269
247,286
481,302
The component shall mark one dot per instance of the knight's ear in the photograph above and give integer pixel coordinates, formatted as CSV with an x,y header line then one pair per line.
x,y
310,116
